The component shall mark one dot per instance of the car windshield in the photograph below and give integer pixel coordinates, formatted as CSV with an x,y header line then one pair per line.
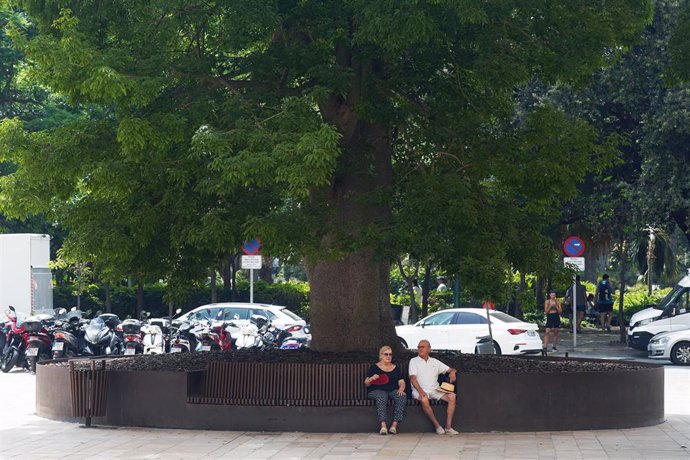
x,y
499,315
290,314
203,315
670,297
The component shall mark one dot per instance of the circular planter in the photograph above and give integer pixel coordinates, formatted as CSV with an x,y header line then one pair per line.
x,y
330,398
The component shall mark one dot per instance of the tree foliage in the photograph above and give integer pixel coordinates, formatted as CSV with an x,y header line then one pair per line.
x,y
345,131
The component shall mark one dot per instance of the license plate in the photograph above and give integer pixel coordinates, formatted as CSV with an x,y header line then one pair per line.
x,y
130,351
176,350
32,352
205,348
58,346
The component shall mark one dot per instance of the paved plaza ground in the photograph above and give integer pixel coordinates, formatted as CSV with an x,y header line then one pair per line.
x,y
26,436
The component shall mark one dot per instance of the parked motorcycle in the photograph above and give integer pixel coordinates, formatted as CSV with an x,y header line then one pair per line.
x,y
68,335
14,350
40,340
101,337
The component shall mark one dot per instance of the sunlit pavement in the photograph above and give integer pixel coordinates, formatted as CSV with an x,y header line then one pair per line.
x,y
24,435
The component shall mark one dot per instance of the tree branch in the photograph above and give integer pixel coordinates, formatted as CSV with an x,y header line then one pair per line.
x,y
237,85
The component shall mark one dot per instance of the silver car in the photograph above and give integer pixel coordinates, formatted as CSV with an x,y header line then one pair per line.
x,y
671,345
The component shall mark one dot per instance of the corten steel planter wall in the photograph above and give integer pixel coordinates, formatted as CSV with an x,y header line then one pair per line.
x,y
486,402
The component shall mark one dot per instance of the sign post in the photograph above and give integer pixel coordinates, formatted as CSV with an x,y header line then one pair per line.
x,y
252,261
573,248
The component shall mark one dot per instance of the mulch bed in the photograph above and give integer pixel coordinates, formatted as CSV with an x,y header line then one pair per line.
x,y
479,364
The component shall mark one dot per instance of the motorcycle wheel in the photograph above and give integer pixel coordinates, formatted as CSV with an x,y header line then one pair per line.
x,y
32,363
8,360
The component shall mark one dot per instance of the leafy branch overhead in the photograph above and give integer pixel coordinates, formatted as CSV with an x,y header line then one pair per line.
x,y
347,132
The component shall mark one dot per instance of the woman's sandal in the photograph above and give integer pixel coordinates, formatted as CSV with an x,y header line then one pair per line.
x,y
383,430
393,430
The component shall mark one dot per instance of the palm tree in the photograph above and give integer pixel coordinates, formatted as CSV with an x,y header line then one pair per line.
x,y
655,255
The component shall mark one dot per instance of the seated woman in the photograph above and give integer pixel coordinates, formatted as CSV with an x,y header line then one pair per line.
x,y
384,380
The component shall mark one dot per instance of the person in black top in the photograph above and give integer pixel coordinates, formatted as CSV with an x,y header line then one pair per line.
x,y
605,303
385,381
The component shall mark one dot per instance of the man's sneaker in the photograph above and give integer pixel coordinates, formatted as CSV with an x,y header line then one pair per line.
x,y
554,348
451,431
440,430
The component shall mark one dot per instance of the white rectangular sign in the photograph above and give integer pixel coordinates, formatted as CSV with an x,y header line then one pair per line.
x,y
251,262
578,262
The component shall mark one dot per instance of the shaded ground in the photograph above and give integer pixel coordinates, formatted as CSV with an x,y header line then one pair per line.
x,y
464,363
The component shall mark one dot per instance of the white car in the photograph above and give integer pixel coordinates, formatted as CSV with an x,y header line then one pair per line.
x,y
460,328
239,313
671,345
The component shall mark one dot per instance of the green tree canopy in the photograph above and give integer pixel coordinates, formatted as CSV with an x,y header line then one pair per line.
x,y
346,131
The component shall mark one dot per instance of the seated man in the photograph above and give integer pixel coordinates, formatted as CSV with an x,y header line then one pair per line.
x,y
424,371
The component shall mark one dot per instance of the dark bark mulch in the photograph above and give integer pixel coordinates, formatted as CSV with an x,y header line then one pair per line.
x,y
180,362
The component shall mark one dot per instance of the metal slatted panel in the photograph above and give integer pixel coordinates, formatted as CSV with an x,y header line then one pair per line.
x,y
88,388
292,384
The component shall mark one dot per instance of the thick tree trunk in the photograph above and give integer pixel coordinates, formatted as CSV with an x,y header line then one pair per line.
x,y
349,304
349,298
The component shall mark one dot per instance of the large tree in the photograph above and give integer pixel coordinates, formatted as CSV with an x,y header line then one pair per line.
x,y
339,111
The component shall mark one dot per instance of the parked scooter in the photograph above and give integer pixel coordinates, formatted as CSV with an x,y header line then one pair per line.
x,y
251,333
182,339
68,334
133,342
40,340
212,336
156,336
100,336
14,351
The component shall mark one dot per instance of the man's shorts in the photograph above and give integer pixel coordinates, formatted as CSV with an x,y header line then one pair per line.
x,y
433,394
604,307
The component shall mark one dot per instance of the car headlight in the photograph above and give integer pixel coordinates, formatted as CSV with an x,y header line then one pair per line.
x,y
644,322
661,341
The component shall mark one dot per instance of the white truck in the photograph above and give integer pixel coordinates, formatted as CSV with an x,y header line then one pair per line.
x,y
671,314
25,277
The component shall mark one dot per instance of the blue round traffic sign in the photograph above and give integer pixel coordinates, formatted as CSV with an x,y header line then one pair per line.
x,y
573,246
252,247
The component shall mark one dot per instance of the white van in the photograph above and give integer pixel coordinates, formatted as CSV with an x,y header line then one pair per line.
x,y
671,314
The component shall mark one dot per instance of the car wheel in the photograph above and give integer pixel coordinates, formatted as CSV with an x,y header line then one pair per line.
x,y
497,348
680,354
403,343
